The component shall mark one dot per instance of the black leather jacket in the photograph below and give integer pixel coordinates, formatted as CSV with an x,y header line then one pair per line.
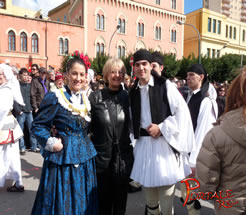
x,y
109,123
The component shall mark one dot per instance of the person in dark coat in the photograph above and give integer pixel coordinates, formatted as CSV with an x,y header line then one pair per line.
x,y
24,113
39,87
110,136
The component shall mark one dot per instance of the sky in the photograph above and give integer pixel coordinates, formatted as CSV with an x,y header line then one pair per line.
x,y
191,5
46,5
35,5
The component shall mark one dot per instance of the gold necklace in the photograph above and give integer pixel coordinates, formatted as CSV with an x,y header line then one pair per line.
x,y
82,111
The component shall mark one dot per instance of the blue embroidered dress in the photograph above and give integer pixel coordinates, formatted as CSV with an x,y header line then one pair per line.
x,y
68,180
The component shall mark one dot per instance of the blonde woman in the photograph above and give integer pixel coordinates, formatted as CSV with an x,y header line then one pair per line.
x,y
110,136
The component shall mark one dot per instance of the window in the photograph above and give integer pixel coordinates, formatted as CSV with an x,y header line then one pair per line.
x,y
214,25
35,43
213,53
99,48
158,33
11,37
173,36
140,29
158,2
65,18
234,33
219,27
61,47
230,33
121,51
23,42
66,50
208,52
218,53
58,20
100,22
226,31
173,4
243,35
122,23
209,24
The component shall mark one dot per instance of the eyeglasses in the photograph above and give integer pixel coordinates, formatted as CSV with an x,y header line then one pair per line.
x,y
33,69
116,72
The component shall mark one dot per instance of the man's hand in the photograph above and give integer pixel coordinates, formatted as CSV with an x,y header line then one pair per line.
x,y
58,146
154,130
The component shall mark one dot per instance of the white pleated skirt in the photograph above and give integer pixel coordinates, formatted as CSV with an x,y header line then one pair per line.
x,y
155,163
10,164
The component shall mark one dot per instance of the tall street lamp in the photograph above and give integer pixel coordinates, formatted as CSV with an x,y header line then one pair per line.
x,y
199,39
117,27
218,51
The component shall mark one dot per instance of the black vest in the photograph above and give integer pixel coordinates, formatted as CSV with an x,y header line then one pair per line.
x,y
194,107
159,105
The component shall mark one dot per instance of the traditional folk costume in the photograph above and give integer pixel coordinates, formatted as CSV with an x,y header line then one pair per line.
x,y
10,131
68,180
163,161
204,111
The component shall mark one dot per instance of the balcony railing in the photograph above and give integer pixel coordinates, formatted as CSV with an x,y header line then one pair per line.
x,y
226,12
226,1
226,7
243,12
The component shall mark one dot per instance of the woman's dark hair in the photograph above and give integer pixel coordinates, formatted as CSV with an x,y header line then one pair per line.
x,y
72,61
23,70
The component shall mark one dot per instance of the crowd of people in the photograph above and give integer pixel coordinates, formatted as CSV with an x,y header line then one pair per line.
x,y
98,133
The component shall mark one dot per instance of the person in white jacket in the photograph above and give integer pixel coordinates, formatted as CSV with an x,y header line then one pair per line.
x,y
10,131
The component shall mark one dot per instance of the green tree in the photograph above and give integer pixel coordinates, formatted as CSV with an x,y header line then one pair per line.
x,y
98,63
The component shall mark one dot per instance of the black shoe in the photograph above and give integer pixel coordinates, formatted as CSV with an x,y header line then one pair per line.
x,y
132,189
14,188
22,151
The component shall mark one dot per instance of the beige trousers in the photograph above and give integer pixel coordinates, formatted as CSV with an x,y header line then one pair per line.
x,y
159,196
190,208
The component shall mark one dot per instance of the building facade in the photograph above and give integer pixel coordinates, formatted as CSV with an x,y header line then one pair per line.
x,y
27,37
234,9
142,24
89,26
219,34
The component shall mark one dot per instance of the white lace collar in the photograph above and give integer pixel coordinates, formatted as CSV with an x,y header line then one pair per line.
x,y
76,109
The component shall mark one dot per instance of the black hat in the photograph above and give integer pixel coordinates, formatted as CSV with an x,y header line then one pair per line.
x,y
142,54
157,57
200,70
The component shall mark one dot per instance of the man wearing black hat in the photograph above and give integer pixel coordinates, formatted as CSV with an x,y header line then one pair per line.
x,y
161,122
157,63
203,109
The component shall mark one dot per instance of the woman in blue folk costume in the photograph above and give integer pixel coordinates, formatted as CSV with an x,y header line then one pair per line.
x,y
68,180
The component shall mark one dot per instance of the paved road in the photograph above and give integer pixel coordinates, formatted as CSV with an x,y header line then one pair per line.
x,y
21,203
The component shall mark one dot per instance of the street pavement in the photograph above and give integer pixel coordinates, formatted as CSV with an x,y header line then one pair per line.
x,y
21,203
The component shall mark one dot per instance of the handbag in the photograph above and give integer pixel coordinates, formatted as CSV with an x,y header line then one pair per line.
x,y
11,131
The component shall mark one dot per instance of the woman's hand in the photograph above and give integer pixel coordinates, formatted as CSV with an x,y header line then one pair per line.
x,y
58,146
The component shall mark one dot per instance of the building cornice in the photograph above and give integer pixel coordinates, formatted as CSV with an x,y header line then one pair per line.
x,y
41,20
146,8
65,4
